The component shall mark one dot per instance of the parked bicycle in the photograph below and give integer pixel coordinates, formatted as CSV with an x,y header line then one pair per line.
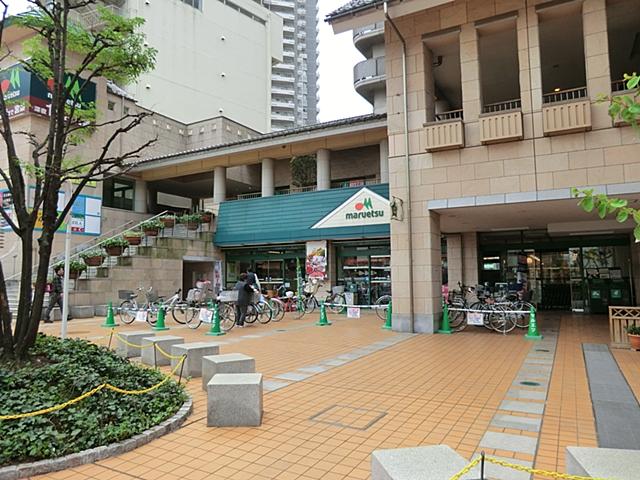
x,y
130,309
335,302
381,306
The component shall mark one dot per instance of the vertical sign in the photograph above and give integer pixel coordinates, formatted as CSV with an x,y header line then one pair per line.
x,y
316,261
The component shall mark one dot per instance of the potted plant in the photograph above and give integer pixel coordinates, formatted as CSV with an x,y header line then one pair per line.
x,y
168,220
633,332
191,220
134,238
151,227
76,267
115,246
93,257
206,216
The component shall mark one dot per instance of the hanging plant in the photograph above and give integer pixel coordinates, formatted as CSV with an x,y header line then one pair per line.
x,y
303,171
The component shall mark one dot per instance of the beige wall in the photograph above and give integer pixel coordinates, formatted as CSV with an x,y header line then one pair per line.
x,y
602,156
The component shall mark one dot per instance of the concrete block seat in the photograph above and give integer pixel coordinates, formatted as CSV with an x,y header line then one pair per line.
x,y
234,400
437,462
132,338
82,311
195,352
101,310
227,363
165,342
603,462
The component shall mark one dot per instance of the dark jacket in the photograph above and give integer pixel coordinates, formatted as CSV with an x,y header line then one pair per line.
x,y
244,293
251,279
57,285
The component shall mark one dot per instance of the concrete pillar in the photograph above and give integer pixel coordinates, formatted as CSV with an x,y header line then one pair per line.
x,y
596,56
323,169
140,197
427,273
470,77
384,161
429,86
454,261
268,177
219,184
470,258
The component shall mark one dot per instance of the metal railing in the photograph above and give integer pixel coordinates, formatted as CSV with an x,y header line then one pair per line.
x,y
358,182
450,115
565,95
289,191
368,69
362,31
619,86
502,106
246,196
311,188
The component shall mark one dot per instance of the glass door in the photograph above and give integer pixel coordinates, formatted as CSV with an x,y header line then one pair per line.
x,y
270,273
380,276
556,280
576,274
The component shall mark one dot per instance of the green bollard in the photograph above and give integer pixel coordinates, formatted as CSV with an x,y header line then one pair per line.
x,y
532,332
215,324
160,323
387,323
445,327
323,322
110,321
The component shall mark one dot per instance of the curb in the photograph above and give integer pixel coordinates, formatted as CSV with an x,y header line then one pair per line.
x,y
24,470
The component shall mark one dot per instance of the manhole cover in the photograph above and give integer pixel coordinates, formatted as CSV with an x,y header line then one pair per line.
x,y
348,417
541,350
530,384
281,330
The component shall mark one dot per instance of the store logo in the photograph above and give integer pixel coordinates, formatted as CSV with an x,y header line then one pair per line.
x,y
364,209
13,82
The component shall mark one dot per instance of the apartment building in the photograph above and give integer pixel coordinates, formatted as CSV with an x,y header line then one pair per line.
x,y
294,91
369,78
214,58
495,119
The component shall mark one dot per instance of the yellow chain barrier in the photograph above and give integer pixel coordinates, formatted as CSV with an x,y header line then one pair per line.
x,y
126,342
521,468
93,392
168,355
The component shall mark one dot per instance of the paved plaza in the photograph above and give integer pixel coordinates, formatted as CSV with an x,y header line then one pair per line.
x,y
335,394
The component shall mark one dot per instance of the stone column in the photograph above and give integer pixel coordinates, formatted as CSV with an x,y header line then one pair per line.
x,y
429,86
384,161
470,258
596,55
268,177
323,169
454,260
470,76
140,197
219,185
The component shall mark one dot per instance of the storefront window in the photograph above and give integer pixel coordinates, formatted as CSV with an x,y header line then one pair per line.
x,y
365,272
118,193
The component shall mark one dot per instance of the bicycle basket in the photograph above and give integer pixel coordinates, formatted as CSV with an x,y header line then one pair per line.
x,y
151,296
125,294
228,296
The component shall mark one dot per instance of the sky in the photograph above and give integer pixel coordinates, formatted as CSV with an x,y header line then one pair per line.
x,y
338,98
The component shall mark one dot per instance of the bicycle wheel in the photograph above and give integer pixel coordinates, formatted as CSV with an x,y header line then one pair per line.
x,y
337,302
382,305
180,312
310,304
252,314
227,316
152,313
457,318
498,320
192,317
522,319
278,309
127,311
264,313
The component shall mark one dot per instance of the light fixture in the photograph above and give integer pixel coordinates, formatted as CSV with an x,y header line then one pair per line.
x,y
557,89
509,229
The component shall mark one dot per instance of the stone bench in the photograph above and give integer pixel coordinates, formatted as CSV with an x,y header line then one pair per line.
x,y
165,342
234,400
602,462
195,353
227,363
82,311
101,310
135,338
437,462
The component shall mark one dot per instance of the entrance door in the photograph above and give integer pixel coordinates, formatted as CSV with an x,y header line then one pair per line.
x,y
556,280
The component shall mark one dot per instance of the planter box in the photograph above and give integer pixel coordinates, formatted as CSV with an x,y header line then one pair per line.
x,y
634,340
192,226
621,318
152,232
94,261
114,251
168,222
134,240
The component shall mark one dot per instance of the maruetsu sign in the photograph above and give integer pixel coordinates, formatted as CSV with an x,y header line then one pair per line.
x,y
25,92
363,208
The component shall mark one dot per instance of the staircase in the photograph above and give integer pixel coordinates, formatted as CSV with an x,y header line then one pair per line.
x,y
13,291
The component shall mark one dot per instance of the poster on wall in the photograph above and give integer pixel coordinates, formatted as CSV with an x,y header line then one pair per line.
x,y
316,260
85,214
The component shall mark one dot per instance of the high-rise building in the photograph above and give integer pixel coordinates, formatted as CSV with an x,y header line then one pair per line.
x,y
294,88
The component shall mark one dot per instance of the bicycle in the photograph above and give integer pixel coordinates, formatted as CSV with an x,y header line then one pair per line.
x,y
129,308
494,314
335,302
226,315
382,305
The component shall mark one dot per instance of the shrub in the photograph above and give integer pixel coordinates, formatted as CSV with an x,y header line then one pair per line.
x,y
74,266
60,370
94,252
131,233
151,225
633,329
190,218
115,242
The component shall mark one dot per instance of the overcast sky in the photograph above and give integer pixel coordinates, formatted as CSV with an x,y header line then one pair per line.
x,y
338,99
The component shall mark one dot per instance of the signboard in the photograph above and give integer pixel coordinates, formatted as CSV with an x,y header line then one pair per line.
x,y
217,276
353,312
86,214
316,260
365,207
141,316
25,92
205,315
475,318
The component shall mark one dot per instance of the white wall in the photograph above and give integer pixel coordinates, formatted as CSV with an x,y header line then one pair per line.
x,y
187,84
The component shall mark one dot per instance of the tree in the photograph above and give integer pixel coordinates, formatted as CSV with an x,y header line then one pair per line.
x,y
627,108
68,59
303,170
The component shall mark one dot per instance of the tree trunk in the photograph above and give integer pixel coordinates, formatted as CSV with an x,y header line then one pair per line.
x,y
6,337
24,296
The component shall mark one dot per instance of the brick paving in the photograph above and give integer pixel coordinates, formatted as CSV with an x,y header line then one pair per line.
x,y
421,390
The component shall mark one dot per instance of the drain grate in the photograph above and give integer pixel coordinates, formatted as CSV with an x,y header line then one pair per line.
x,y
348,417
527,383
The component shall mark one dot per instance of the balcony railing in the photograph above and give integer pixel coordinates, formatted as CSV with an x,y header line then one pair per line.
x,y
368,69
566,117
362,31
446,133
500,126
502,106
312,188
565,95
619,86
450,115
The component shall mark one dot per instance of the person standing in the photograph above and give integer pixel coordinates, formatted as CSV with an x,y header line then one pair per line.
x,y
55,296
244,298
253,281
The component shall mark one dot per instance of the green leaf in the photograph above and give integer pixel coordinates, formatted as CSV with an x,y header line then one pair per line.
x,y
618,203
636,216
623,215
633,82
602,209
636,232
587,204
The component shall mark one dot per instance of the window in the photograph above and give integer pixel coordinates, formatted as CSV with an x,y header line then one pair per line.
x,y
118,193
194,3
443,80
623,31
111,105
